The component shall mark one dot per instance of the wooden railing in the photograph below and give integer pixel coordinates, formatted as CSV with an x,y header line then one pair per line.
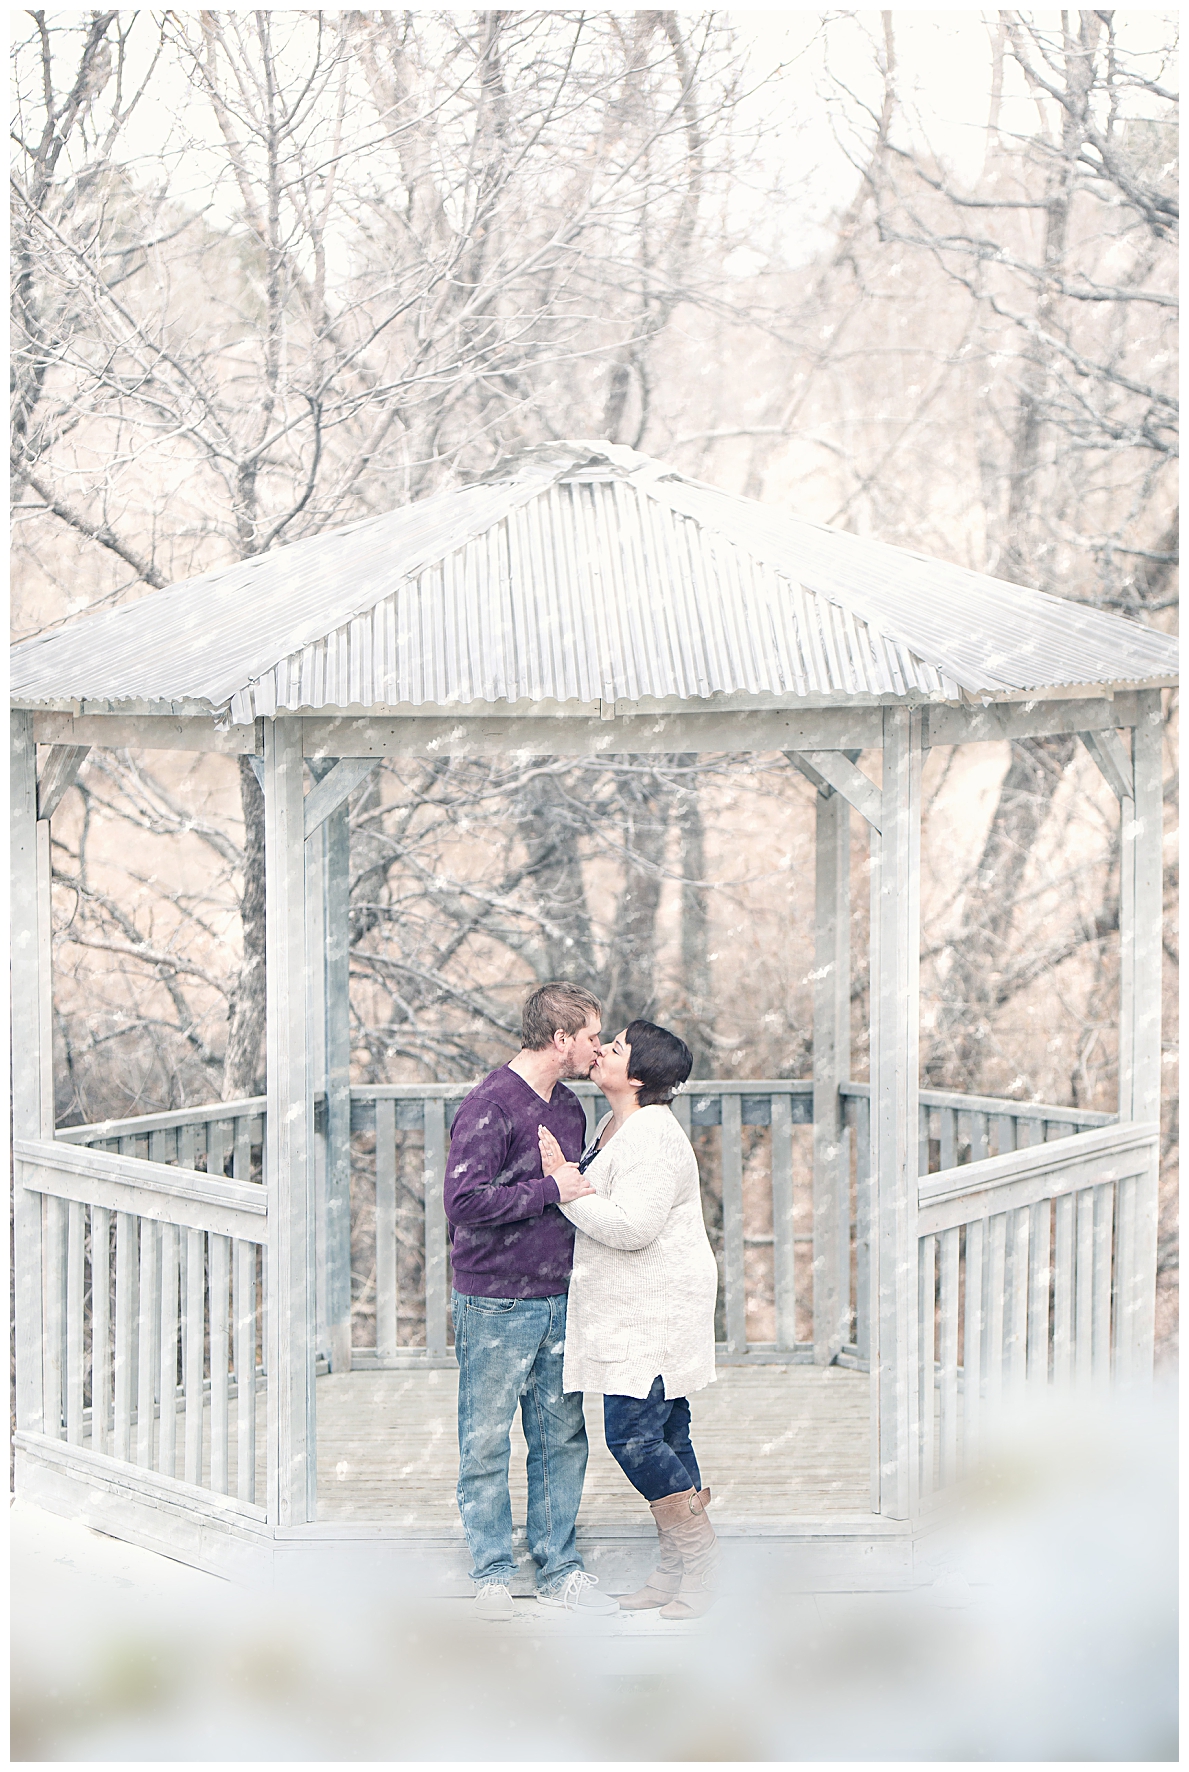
x,y
1027,1277
153,1292
954,1131
222,1138
762,1234
766,1262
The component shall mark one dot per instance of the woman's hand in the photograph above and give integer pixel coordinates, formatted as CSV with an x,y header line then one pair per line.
x,y
571,1185
552,1155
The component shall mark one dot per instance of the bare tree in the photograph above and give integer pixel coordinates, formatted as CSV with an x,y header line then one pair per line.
x,y
374,251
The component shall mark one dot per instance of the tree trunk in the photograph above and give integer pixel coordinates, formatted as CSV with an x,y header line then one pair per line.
x,y
694,1002
972,986
555,872
245,1034
631,962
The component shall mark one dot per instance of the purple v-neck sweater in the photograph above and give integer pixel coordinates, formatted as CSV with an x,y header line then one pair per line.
x,y
508,1239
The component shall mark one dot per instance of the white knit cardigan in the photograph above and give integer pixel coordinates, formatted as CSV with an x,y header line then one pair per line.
x,y
642,1295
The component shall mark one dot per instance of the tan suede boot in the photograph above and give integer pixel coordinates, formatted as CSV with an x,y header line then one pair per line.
x,y
664,1582
694,1539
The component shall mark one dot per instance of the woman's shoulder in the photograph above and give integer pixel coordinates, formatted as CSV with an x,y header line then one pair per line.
x,y
659,1124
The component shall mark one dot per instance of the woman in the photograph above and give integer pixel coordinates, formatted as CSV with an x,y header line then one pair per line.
x,y
640,1316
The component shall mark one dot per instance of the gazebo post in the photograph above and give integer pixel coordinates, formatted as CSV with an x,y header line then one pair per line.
x,y
336,901
1140,921
315,913
895,1091
32,1059
831,1068
289,1148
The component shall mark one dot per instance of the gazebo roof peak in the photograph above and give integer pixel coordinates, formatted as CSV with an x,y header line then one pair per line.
x,y
582,572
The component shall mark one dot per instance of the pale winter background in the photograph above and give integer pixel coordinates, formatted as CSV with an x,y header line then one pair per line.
x,y
910,274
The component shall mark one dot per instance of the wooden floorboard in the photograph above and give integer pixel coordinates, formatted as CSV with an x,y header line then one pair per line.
x,y
774,1442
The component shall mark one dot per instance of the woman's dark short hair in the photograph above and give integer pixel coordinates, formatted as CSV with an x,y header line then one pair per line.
x,y
660,1062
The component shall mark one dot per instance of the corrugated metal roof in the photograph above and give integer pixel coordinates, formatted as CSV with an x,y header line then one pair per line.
x,y
587,573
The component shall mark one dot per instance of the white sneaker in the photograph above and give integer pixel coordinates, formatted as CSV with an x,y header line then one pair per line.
x,y
576,1594
493,1602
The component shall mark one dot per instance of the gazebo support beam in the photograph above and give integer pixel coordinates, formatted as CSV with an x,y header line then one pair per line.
x,y
831,1068
1113,762
336,901
573,735
836,770
32,1059
895,1058
59,773
1140,927
289,1149
334,788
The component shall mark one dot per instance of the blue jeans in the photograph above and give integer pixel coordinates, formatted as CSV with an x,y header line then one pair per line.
x,y
510,1352
649,1439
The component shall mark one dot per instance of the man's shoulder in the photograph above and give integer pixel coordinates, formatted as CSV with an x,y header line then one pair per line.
x,y
488,1095
493,1084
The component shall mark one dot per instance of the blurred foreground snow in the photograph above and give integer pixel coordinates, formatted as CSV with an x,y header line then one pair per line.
x,y
1048,1632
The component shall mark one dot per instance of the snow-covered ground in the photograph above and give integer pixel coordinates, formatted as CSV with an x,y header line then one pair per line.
x,y
1062,1646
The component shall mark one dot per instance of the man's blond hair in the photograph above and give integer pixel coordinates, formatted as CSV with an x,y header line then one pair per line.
x,y
555,1006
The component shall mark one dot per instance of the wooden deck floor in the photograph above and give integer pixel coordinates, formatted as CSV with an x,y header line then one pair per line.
x,y
774,1442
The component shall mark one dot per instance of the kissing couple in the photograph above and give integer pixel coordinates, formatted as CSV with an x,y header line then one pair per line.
x,y
580,1267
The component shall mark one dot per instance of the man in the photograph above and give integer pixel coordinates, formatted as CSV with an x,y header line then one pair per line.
x,y
512,1252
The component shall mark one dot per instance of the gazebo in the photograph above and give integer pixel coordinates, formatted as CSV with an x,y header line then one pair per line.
x,y
171,1309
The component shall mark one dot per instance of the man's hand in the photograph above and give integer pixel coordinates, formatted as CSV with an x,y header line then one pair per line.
x,y
570,1184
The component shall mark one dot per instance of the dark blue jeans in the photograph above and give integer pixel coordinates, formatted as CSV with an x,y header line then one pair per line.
x,y
649,1439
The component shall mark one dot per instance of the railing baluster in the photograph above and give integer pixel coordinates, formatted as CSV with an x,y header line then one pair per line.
x,y
245,1370
949,1138
167,1433
863,1303
76,1232
386,1277
241,1160
1063,1288
100,1327
225,1131
55,1314
972,1338
125,1263
926,1306
148,1329
948,1313
996,1287
220,1263
196,1324
681,1110
923,1140
1084,1289
980,1137
784,1279
1005,1134
435,1227
188,1147
732,1224
1124,1274
1104,1206
1017,1308
1038,1291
